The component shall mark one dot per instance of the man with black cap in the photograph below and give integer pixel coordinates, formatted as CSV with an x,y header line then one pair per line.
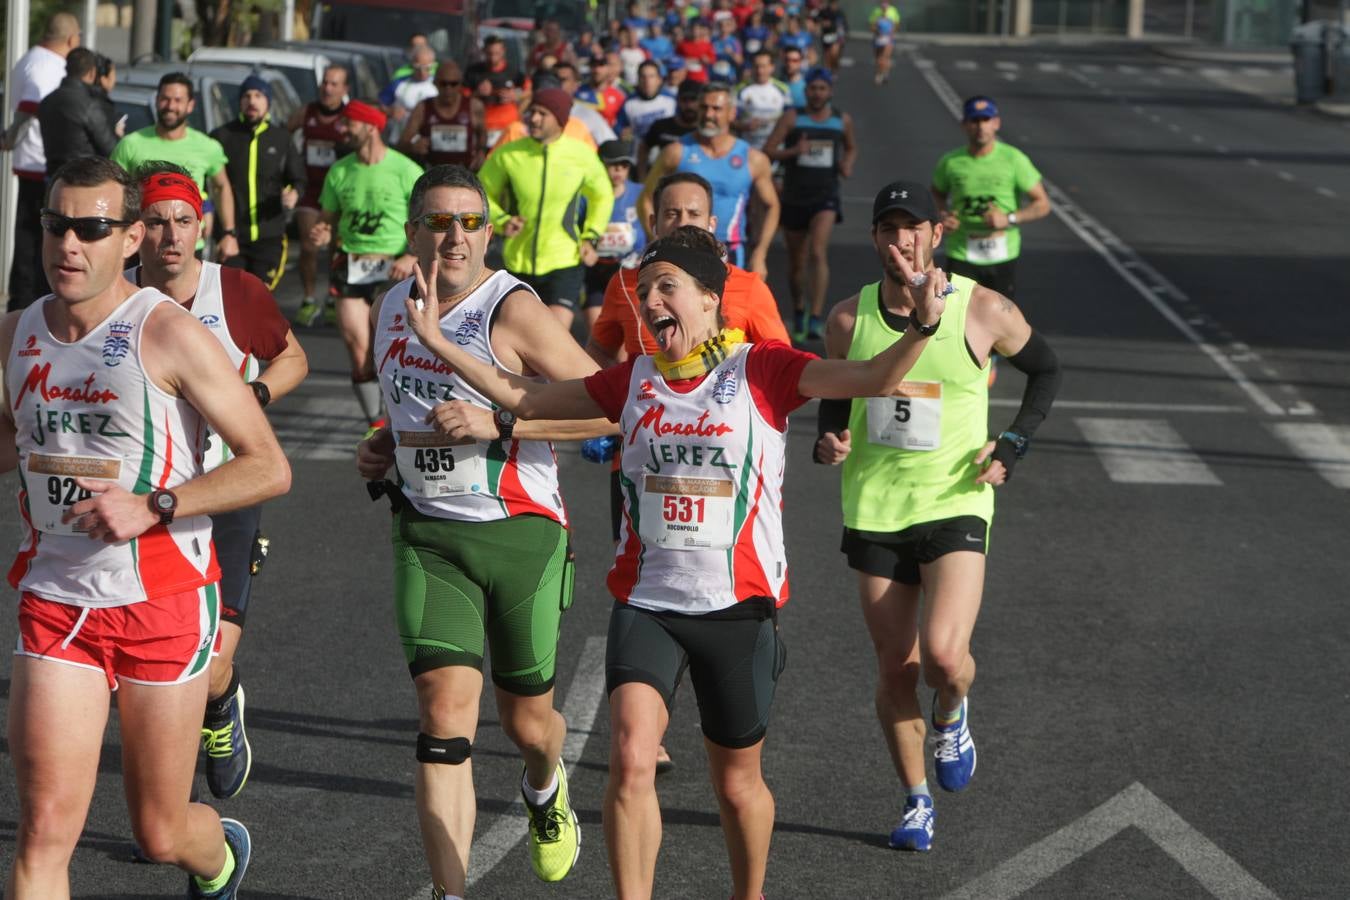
x,y
532,186
979,190
624,238
267,175
918,490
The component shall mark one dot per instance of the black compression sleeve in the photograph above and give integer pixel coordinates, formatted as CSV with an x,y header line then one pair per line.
x,y
1039,363
832,418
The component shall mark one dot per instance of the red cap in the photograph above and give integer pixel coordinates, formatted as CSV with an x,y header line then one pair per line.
x,y
556,101
356,111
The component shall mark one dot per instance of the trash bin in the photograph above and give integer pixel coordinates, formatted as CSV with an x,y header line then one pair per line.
x,y
1338,46
1309,45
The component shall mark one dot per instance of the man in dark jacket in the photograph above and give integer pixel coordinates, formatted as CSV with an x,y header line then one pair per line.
x,y
267,176
73,122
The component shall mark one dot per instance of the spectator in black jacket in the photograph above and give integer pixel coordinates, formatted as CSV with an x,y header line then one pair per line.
x,y
73,121
267,176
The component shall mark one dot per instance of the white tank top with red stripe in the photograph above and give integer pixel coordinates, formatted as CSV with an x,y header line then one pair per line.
x,y
702,480
88,409
208,305
471,481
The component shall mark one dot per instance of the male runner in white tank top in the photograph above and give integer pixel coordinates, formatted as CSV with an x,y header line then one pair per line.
x,y
240,312
108,393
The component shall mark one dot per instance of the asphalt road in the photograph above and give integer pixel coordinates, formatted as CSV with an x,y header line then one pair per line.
x,y
1161,702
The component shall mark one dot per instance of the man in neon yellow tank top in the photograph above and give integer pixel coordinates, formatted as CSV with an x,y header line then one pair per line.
x,y
918,490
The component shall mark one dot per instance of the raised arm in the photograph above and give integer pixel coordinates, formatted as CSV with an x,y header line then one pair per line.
x,y
882,374
525,397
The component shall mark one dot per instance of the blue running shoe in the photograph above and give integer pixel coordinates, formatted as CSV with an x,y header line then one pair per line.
x,y
954,750
229,758
915,831
236,835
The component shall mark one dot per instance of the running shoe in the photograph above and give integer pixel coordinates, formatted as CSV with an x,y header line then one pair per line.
x,y
307,316
954,750
815,328
555,837
799,325
236,835
330,313
228,755
915,831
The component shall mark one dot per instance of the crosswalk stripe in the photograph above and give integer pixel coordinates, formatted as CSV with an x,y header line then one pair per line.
x,y
1049,66
1144,451
1324,447
1003,66
1172,70
1128,70
967,65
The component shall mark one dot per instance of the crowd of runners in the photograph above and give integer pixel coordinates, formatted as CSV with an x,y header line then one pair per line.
x,y
464,243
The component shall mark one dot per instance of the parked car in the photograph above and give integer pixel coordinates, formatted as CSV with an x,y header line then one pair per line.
x,y
448,24
303,68
135,103
379,61
526,15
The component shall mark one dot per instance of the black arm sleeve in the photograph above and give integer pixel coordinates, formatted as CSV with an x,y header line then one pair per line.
x,y
831,418
1039,363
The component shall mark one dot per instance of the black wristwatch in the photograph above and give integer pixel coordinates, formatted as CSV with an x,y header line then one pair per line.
x,y
925,330
506,423
262,392
164,503
229,232
1019,442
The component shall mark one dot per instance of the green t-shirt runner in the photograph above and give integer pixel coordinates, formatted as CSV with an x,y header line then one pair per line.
x,y
371,202
197,152
971,184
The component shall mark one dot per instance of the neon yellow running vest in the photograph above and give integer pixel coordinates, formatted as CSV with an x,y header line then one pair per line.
x,y
913,453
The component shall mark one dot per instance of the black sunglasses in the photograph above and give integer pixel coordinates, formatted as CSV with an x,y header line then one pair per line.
x,y
88,229
441,222
447,84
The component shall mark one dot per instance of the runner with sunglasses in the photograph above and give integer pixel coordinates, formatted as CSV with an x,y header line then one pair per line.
x,y
446,130
481,554
117,572
701,569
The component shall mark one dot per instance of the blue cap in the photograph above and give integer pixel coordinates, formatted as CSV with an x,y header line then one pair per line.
x,y
979,107
820,73
259,84
675,62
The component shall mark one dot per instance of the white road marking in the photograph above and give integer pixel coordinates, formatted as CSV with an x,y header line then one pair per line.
x,y
1212,72
1253,161
1171,70
1197,139
1049,66
1004,66
1007,76
1122,406
584,695
1284,176
966,65
1261,71
1128,70
1137,807
1326,192
1089,67
1144,451
1324,447
1148,282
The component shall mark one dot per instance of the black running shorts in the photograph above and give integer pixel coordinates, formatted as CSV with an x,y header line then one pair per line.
x,y
897,555
997,277
734,657
235,535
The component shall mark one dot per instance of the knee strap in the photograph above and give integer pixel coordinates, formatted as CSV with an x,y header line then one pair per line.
x,y
451,751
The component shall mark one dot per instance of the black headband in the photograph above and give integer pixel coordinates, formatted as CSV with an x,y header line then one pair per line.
x,y
706,267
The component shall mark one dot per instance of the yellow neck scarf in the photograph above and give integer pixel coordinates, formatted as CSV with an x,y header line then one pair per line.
x,y
703,358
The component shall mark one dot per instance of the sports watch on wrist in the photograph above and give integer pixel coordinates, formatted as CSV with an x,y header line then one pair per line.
x,y
164,503
1012,218
262,392
925,330
506,423
229,232
1020,443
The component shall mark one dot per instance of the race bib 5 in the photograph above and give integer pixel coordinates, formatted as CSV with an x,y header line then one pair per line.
x,y
910,419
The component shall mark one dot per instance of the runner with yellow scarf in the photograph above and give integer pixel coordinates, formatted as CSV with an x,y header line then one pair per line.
x,y
700,569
